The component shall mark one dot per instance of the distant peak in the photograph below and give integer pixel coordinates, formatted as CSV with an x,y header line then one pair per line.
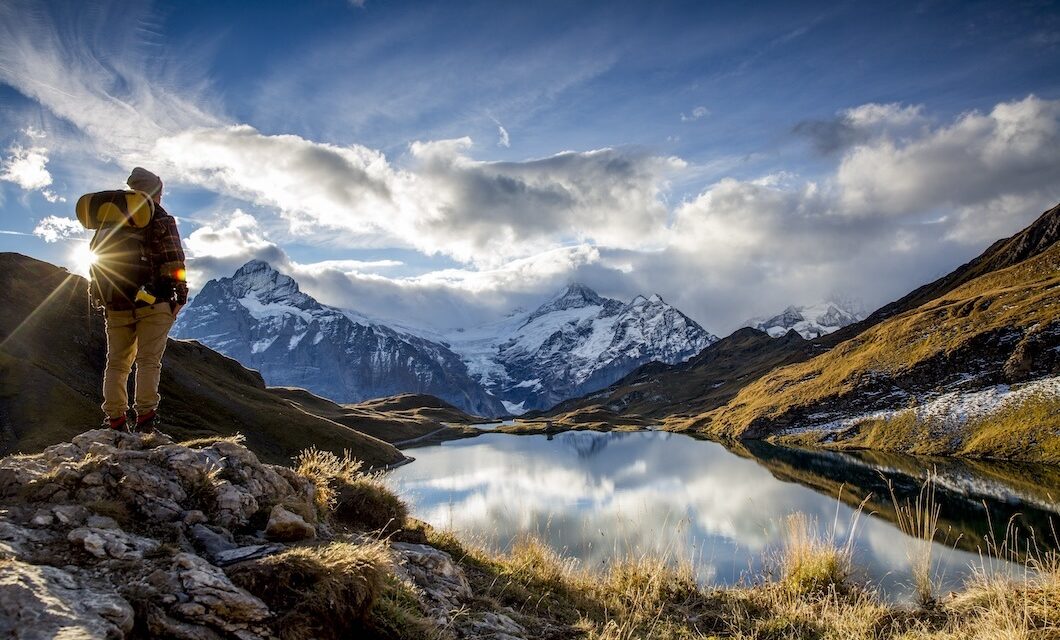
x,y
253,266
656,299
578,290
259,276
574,296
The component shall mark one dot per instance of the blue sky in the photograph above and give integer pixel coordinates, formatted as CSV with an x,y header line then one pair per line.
x,y
442,163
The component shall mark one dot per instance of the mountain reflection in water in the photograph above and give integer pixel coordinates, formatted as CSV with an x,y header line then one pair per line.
x,y
598,496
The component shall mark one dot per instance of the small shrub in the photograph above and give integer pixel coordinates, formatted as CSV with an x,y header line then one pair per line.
x,y
318,593
202,489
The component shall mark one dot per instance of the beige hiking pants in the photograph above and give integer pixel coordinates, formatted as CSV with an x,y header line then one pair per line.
x,y
135,336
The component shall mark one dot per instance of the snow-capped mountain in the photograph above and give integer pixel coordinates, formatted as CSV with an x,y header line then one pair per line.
x,y
575,343
812,320
261,318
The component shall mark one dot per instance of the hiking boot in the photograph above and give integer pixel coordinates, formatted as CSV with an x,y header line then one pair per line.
x,y
147,422
119,423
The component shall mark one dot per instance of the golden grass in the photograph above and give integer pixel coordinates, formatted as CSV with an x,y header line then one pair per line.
x,y
1015,299
1025,429
810,592
202,443
317,593
812,563
365,502
349,496
920,521
1032,424
326,470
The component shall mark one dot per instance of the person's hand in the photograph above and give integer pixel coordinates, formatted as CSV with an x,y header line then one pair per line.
x,y
176,309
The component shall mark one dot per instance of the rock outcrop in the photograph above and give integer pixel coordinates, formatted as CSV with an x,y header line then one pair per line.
x,y
116,535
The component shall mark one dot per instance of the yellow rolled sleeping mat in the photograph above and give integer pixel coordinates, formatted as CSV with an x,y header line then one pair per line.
x,y
115,208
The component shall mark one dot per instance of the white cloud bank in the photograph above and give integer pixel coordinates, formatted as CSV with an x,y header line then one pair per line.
x,y
444,202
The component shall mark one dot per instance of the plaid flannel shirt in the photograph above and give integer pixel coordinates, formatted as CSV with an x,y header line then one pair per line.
x,y
167,253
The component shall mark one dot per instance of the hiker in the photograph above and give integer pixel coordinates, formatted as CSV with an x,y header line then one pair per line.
x,y
139,281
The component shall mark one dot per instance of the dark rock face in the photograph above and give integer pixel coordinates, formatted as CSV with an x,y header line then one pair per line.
x,y
261,318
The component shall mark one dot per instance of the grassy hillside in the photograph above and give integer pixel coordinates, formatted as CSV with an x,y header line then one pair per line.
x,y
1001,326
393,419
52,354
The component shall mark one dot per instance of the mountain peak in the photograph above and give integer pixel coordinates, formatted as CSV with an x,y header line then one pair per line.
x,y
577,292
258,276
574,296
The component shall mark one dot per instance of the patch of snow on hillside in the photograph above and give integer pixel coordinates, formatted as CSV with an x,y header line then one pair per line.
x,y
951,409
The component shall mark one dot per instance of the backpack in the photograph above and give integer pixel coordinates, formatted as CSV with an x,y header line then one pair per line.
x,y
122,221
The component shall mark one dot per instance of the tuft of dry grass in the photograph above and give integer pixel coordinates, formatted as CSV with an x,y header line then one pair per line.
x,y
202,443
326,471
352,498
318,593
811,562
920,521
365,502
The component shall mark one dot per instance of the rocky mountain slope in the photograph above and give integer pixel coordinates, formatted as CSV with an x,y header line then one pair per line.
x,y
952,375
810,321
52,353
575,343
261,318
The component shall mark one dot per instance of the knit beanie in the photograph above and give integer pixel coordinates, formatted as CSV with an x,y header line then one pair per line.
x,y
143,180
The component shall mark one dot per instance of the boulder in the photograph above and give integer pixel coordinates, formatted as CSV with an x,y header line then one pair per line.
x,y
285,526
440,579
111,543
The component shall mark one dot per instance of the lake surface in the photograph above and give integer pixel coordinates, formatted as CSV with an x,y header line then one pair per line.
x,y
598,496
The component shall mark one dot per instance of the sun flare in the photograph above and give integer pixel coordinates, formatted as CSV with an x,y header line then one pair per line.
x,y
82,259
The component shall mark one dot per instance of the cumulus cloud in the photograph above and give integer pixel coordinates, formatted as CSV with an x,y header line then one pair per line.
x,y
26,167
860,124
446,202
1013,149
56,228
738,248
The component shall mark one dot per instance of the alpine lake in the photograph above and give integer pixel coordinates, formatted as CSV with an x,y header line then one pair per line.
x,y
601,496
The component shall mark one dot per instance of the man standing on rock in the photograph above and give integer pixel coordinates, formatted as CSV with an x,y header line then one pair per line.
x,y
139,280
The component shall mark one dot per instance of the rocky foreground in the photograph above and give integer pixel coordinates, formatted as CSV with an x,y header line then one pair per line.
x,y
116,535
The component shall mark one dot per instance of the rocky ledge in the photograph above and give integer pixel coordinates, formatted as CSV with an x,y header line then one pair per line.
x,y
115,535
